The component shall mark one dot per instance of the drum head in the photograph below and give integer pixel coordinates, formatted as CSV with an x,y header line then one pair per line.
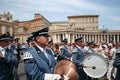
x,y
98,62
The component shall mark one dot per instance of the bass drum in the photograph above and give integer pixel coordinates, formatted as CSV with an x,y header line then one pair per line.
x,y
96,65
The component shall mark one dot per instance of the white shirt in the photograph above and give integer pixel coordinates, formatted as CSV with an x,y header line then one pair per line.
x,y
113,52
79,47
2,51
43,50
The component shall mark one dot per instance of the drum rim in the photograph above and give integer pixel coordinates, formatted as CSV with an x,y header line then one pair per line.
x,y
96,55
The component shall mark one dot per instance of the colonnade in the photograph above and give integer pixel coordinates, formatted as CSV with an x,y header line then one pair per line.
x,y
97,37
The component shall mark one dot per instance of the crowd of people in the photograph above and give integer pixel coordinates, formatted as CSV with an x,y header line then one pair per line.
x,y
40,55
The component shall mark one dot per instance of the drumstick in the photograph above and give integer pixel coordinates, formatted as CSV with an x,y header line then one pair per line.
x,y
93,67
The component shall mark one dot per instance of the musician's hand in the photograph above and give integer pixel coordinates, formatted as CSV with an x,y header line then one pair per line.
x,y
1,56
52,76
84,66
30,44
65,77
68,59
56,77
109,55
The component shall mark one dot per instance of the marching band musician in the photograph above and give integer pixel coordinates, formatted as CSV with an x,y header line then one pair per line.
x,y
90,50
52,55
116,63
38,66
91,47
7,57
64,51
51,47
16,47
77,58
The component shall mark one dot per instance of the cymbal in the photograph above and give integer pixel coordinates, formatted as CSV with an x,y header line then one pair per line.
x,y
69,70
64,62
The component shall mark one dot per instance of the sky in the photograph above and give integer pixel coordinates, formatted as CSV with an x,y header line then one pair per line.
x,y
59,10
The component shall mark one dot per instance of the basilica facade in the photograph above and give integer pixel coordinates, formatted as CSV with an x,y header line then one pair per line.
x,y
6,23
86,26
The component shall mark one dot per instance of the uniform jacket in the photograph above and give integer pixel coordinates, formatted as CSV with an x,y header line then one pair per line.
x,y
6,65
64,53
117,65
52,61
91,50
37,65
77,58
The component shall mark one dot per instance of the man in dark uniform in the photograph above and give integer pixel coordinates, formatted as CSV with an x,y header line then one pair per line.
x,y
7,57
50,50
16,47
64,51
37,62
77,58
91,47
117,63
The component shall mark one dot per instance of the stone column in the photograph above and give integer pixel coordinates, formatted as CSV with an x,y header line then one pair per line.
x,y
58,38
75,35
72,38
95,39
98,38
84,38
90,38
63,36
3,29
107,38
68,37
11,30
101,37
118,38
114,39
54,38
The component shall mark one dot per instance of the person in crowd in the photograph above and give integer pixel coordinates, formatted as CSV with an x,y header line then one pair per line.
x,y
72,46
103,51
64,51
38,61
116,63
16,47
91,47
50,50
111,55
101,44
86,47
7,57
91,50
51,47
96,48
77,58
56,49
